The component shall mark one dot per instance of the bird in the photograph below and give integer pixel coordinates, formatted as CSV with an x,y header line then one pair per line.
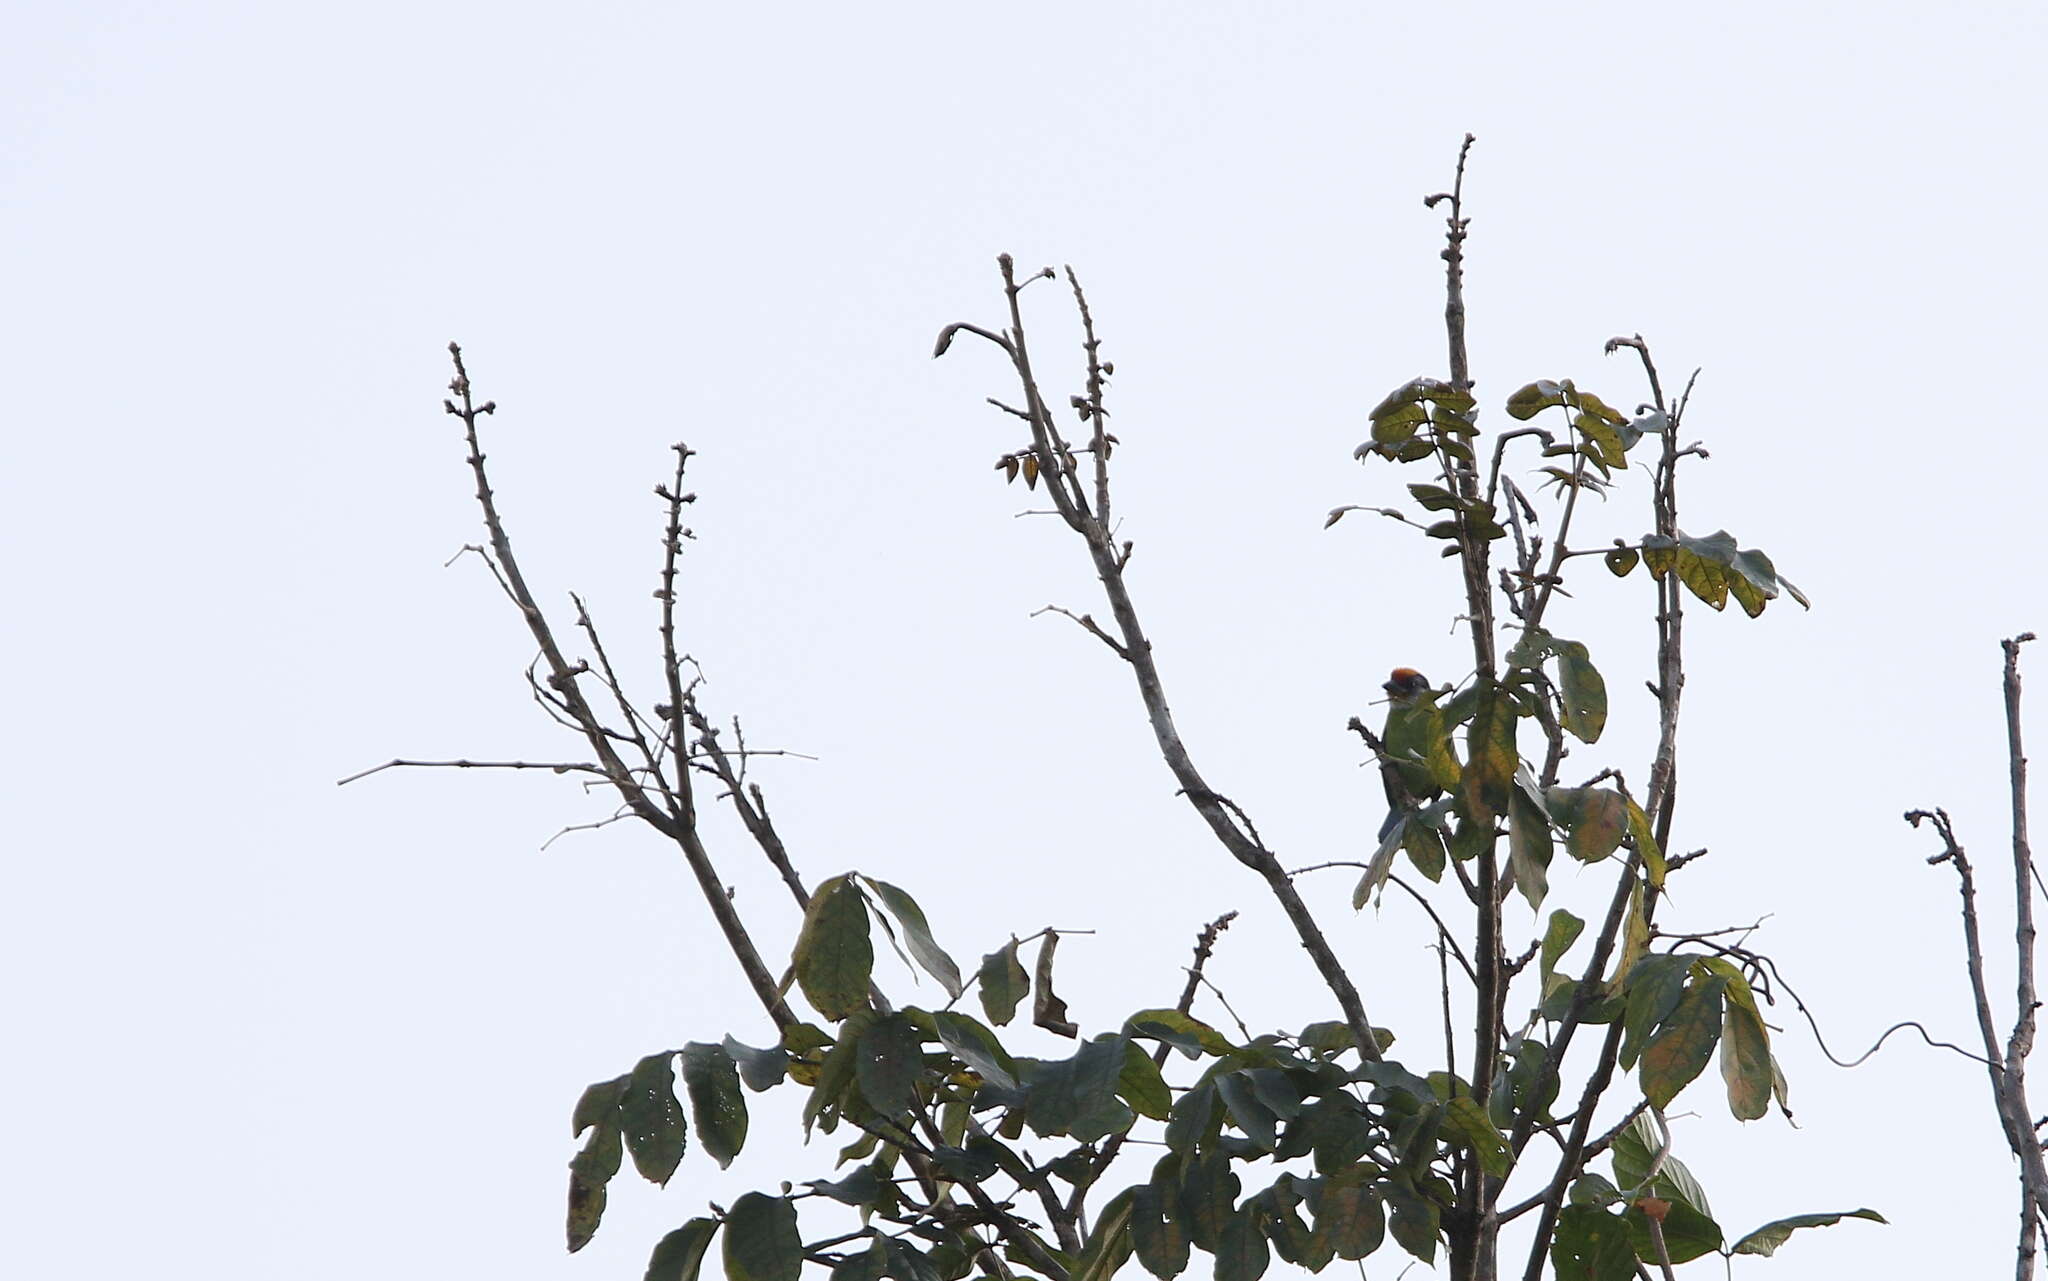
x,y
1408,780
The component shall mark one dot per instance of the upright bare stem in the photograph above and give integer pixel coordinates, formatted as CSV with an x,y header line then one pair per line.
x,y
562,681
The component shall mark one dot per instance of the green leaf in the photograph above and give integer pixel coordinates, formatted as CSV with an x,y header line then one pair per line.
x,y
713,1084
1490,756
1558,936
1433,498
1349,1217
1680,1049
1592,1245
861,1187
1241,1253
589,1171
1003,983
680,1254
1156,1231
1688,1234
1652,988
1141,1085
1583,690
599,1103
761,1240
1252,1116
1529,847
1109,1241
759,1069
1766,1239
1645,841
888,1064
1621,560
1183,1032
836,1073
1527,402
1466,1121
835,958
928,953
1608,451
1077,1096
1425,847
1705,565
976,1046
1746,1066
1593,818
1194,1119
1413,1217
1208,1191
652,1119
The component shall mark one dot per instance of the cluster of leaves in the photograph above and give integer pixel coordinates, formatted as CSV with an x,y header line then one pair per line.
x,y
1356,1153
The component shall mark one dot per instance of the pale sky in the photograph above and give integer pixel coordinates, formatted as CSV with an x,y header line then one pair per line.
x,y
266,1027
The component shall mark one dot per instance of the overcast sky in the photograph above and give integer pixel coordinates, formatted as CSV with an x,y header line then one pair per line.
x,y
266,1027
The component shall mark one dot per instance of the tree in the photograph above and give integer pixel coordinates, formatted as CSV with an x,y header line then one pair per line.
x,y
1348,1142
2005,1059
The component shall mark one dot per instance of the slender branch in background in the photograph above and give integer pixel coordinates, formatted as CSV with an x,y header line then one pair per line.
x,y
1662,798
747,801
2006,1065
558,767
560,692
1072,504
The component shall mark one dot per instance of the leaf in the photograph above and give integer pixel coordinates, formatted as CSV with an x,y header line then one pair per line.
x,y
1592,1245
1077,1096
1183,1032
1489,752
888,1064
1141,1085
1208,1191
1109,1241
1468,1122
1688,1234
1652,988
929,954
1746,1065
1529,847
1156,1232
589,1171
1593,818
759,1069
1252,1116
976,1046
861,1187
1679,1050
1003,984
1241,1253
1425,847
1583,691
1704,565
1349,1217
1766,1239
680,1254
1645,841
713,1083
761,1240
836,1072
1413,1217
1526,402
834,957
652,1119
1558,937
1194,1119
1620,561
1047,1009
